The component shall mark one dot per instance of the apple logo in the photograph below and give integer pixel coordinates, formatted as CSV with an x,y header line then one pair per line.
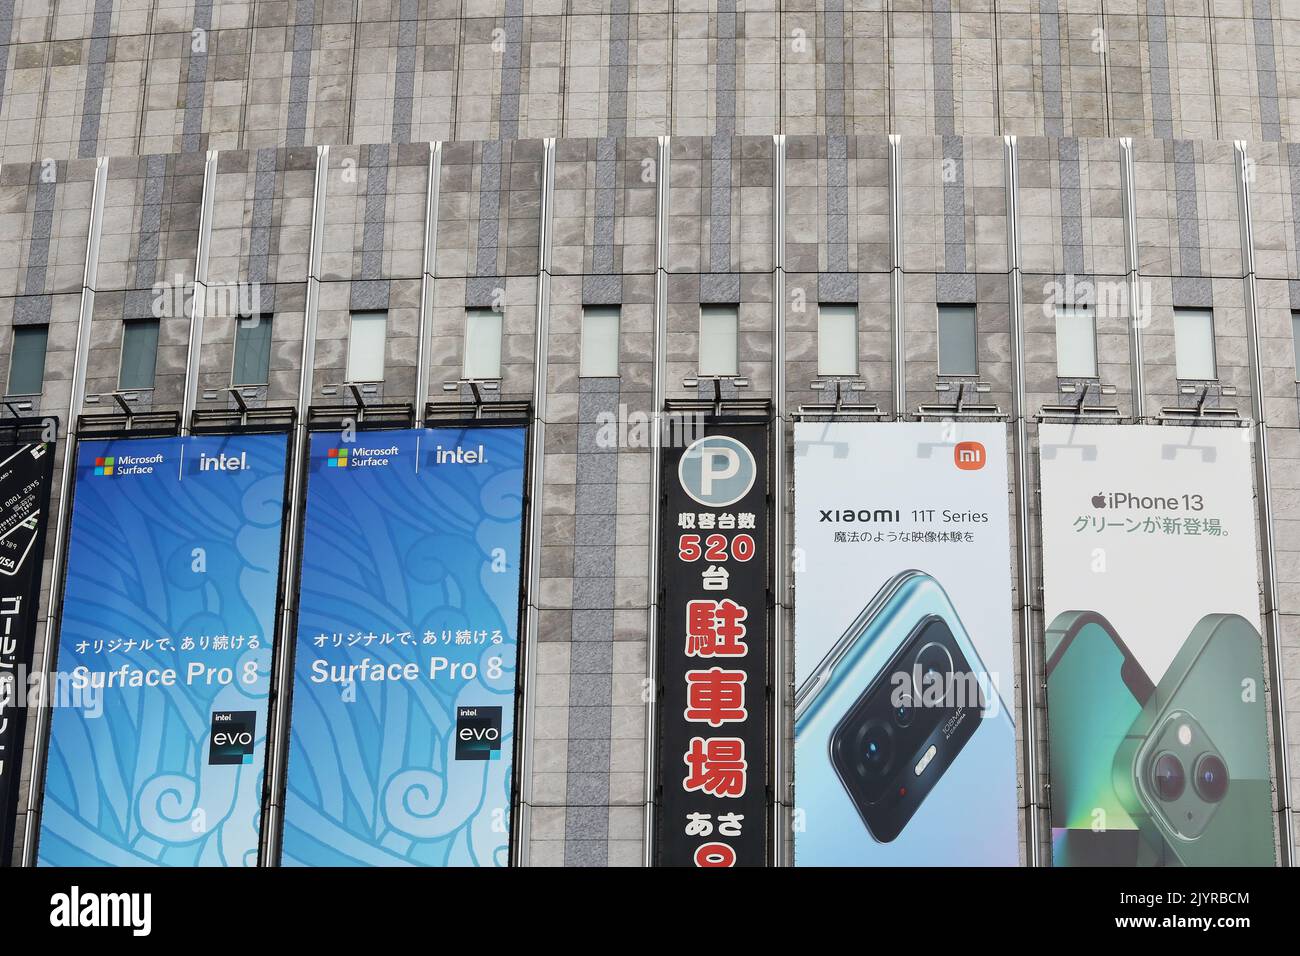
x,y
1099,501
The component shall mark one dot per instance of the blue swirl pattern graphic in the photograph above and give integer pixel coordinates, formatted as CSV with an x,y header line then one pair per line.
x,y
410,566
166,568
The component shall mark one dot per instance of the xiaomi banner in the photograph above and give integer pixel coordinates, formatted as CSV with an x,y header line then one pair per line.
x,y
905,750
402,729
1155,687
158,738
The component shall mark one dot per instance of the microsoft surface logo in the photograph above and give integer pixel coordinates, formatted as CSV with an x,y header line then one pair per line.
x,y
103,466
336,458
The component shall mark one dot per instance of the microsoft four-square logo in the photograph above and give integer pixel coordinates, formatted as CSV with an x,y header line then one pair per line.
x,y
103,466
336,458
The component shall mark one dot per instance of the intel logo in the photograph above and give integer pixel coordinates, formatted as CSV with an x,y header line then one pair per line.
x,y
223,462
459,456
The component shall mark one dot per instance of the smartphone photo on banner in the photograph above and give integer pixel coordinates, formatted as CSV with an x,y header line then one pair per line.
x,y
401,742
1156,709
1097,689
904,740
158,737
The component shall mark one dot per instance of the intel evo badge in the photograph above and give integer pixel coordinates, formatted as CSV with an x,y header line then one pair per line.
x,y
478,733
232,736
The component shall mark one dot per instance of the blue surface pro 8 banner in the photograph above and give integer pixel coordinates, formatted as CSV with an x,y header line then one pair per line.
x,y
402,727
158,738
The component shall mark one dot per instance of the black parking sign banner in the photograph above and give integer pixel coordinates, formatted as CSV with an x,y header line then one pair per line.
x,y
25,469
713,650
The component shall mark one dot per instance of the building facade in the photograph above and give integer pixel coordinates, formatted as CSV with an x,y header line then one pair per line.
x,y
956,174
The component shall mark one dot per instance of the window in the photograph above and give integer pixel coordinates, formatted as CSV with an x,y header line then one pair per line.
x,y
837,340
957,340
27,360
1076,343
719,328
1194,344
1295,341
252,350
482,343
366,346
599,341
139,353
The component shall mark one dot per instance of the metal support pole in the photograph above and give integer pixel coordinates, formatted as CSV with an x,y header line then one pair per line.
x,y
897,312
1139,311
277,734
1264,494
1025,591
656,461
783,691
521,821
423,346
199,302
41,725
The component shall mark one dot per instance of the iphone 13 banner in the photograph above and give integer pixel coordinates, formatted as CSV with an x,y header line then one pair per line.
x,y
402,724
163,669
904,741
1157,721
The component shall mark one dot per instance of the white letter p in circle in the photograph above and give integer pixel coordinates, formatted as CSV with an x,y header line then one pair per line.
x,y
709,472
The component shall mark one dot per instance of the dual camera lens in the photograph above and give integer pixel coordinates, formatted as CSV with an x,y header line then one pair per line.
x,y
1209,777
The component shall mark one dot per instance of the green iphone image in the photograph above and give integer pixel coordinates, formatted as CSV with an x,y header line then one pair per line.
x,y
1095,690
1193,770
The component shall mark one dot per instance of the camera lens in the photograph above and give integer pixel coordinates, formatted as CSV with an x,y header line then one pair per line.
x,y
1210,779
903,710
877,746
1168,777
933,665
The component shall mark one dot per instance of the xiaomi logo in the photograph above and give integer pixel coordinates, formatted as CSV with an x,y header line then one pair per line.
x,y
969,455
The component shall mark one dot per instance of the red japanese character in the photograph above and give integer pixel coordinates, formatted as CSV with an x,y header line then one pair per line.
x,y
715,696
715,629
717,766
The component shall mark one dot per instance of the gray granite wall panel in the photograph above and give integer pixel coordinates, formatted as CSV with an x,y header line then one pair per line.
x,y
127,79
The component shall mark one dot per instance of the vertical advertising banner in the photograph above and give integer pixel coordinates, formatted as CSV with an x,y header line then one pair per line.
x,y
1157,728
904,671
402,728
157,743
25,471
713,650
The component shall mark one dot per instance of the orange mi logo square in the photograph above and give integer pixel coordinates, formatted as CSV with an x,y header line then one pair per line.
x,y
969,455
